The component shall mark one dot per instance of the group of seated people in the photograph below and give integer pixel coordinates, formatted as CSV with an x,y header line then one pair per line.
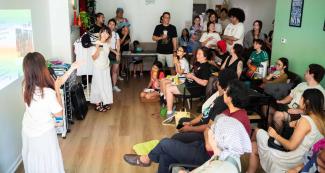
x,y
209,141
215,140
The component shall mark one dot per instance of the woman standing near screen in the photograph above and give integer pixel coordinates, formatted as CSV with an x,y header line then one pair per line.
x,y
41,151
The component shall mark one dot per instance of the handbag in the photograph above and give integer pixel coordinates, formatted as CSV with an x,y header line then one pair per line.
x,y
177,115
286,133
112,55
251,71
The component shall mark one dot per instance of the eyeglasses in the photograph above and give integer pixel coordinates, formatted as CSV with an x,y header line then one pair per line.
x,y
180,50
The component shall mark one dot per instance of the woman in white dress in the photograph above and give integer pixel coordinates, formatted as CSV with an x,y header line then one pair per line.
x,y
307,130
101,87
41,151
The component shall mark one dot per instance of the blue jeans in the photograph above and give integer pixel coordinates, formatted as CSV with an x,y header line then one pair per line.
x,y
170,151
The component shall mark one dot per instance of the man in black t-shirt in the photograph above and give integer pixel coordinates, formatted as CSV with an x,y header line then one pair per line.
x,y
165,35
99,23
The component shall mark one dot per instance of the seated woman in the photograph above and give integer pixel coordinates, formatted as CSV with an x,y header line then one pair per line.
x,y
196,27
194,84
184,39
229,141
234,61
210,38
169,151
280,74
255,33
307,130
182,67
152,91
192,129
257,57
213,18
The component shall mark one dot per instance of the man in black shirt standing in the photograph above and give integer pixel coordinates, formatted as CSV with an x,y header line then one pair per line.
x,y
99,23
165,35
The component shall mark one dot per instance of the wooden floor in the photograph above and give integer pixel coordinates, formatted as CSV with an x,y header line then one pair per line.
x,y
98,143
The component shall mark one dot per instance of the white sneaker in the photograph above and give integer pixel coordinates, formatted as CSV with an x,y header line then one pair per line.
x,y
120,78
116,89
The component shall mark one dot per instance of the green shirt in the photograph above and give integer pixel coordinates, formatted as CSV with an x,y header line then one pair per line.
x,y
257,58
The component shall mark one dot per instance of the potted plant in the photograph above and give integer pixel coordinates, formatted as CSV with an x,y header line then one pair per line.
x,y
85,20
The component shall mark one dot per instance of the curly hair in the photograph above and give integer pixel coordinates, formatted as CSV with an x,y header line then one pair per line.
x,y
238,13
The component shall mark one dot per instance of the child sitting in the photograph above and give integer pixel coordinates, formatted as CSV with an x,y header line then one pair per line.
x,y
181,67
152,91
137,61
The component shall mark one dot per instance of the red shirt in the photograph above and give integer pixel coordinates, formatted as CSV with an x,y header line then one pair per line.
x,y
240,115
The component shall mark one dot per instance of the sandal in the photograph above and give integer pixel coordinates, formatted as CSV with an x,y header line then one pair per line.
x,y
99,108
134,159
107,107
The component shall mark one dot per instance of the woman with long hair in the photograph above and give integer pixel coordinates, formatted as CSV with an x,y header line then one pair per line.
x,y
42,97
115,54
101,87
255,33
184,39
309,129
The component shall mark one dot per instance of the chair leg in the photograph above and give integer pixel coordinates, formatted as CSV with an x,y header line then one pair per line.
x,y
189,103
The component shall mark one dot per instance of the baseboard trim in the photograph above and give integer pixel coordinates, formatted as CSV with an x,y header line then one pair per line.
x,y
15,165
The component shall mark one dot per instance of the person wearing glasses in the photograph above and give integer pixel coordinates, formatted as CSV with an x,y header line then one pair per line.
x,y
280,75
182,67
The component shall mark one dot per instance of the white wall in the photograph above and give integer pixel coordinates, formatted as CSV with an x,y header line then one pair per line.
x,y
45,22
144,18
263,10
63,32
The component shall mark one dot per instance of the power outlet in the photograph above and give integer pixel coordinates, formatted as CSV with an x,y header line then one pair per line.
x,y
283,40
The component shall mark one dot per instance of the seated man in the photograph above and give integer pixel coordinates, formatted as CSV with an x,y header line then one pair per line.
x,y
169,151
288,108
195,82
192,129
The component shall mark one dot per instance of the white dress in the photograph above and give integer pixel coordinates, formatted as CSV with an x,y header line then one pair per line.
x,y
41,151
101,86
276,161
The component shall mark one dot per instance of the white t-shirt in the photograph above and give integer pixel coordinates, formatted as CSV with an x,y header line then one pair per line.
x,y
38,116
184,65
237,31
214,35
114,39
297,92
218,27
102,60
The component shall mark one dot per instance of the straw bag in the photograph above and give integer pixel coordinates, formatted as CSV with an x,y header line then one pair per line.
x,y
177,115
